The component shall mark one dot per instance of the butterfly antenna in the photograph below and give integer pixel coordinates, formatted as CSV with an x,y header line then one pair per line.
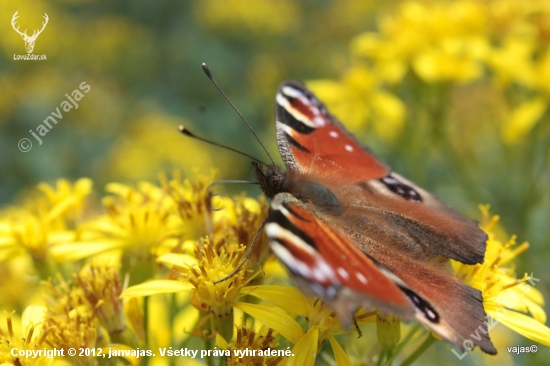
x,y
188,133
247,256
211,77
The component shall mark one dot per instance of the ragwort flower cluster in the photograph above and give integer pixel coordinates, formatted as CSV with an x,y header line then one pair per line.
x,y
447,43
194,283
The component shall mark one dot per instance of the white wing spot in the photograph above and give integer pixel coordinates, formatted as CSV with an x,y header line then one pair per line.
x,y
361,278
333,134
343,273
349,148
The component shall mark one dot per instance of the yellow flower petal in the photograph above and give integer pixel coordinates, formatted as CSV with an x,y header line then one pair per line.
x,y
79,250
524,325
305,350
290,299
42,361
156,287
274,318
106,227
523,119
536,310
341,357
221,342
177,260
33,315
186,321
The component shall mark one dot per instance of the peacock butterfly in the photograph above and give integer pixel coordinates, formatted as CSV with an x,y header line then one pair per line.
x,y
356,234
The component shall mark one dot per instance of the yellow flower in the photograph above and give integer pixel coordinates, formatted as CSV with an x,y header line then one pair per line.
x,y
76,331
24,234
201,276
460,42
212,267
285,303
44,223
250,18
102,288
506,298
440,42
77,319
388,329
65,202
139,220
238,222
145,222
137,154
246,347
192,202
32,338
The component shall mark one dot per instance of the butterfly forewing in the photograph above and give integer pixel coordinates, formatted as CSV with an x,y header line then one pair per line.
x,y
316,144
312,141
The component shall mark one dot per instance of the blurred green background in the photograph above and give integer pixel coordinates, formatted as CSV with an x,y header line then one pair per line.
x,y
453,95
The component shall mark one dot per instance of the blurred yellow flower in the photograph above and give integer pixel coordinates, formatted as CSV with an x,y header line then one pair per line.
x,y
137,154
30,339
139,220
44,222
453,43
65,203
254,18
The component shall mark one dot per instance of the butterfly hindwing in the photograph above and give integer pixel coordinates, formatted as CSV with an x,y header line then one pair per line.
x,y
326,264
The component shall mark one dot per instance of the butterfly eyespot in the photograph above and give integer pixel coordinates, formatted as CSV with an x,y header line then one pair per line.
x,y
421,305
401,189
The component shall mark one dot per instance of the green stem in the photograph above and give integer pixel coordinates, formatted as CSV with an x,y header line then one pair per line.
x,y
423,348
404,342
126,336
409,335
145,359
210,342
381,358
46,268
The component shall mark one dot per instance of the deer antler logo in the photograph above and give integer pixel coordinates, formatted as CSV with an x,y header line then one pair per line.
x,y
29,40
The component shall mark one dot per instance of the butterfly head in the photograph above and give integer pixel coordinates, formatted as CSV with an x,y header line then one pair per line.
x,y
272,178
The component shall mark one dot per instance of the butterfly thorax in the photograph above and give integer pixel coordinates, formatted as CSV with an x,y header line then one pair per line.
x,y
274,180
